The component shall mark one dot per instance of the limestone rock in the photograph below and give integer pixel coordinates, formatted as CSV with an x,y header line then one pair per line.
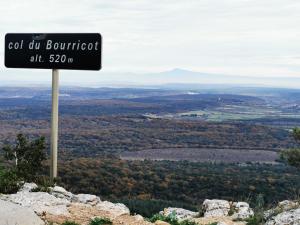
x,y
281,207
242,211
222,223
86,199
287,205
12,214
215,208
60,192
40,202
138,217
28,187
117,209
159,222
180,214
290,217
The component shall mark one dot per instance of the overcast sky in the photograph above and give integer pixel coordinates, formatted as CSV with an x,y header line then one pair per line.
x,y
237,37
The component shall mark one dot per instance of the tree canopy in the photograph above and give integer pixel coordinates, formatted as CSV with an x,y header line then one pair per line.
x,y
292,156
27,156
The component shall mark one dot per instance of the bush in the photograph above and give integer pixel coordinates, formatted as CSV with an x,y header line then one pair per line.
x,y
292,157
70,223
149,207
100,221
44,183
9,182
258,218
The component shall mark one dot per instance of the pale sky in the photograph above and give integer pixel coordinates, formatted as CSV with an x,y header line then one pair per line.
x,y
259,38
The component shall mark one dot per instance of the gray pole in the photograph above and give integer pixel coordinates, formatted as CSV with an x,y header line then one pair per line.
x,y
54,124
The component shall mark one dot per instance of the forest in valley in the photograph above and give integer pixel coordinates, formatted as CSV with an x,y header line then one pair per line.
x,y
83,136
178,183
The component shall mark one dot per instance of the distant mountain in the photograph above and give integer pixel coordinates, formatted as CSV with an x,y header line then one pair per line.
x,y
180,76
176,77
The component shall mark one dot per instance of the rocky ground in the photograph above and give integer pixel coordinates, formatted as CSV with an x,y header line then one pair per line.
x,y
27,207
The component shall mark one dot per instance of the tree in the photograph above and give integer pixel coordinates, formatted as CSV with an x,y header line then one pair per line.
x,y
292,156
27,156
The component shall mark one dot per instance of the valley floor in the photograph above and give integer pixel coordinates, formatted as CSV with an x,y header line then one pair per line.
x,y
204,155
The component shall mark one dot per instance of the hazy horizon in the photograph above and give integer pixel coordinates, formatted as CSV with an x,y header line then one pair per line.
x,y
175,76
249,39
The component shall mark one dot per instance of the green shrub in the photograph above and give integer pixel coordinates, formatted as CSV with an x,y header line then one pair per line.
x,y
100,221
231,211
44,183
257,219
291,156
149,207
9,182
186,222
70,223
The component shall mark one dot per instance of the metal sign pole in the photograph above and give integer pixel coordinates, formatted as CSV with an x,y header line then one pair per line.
x,y
54,123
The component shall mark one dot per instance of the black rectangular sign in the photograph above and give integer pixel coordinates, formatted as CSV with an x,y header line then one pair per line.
x,y
76,51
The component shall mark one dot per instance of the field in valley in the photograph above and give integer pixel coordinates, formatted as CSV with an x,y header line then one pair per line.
x,y
204,155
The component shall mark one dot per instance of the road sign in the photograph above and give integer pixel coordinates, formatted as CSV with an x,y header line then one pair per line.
x,y
76,51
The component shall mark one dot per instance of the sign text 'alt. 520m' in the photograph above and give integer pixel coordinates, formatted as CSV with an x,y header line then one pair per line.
x,y
77,51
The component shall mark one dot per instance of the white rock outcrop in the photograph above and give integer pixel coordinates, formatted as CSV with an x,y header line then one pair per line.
x,y
39,202
86,199
117,209
287,205
180,214
215,208
28,187
60,192
242,211
59,203
290,217
12,214
286,212
138,217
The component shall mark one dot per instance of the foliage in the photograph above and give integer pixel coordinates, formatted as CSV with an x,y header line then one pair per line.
x,y
292,156
27,156
184,182
44,183
296,133
255,220
171,219
89,136
148,207
100,221
9,181
258,218
70,223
